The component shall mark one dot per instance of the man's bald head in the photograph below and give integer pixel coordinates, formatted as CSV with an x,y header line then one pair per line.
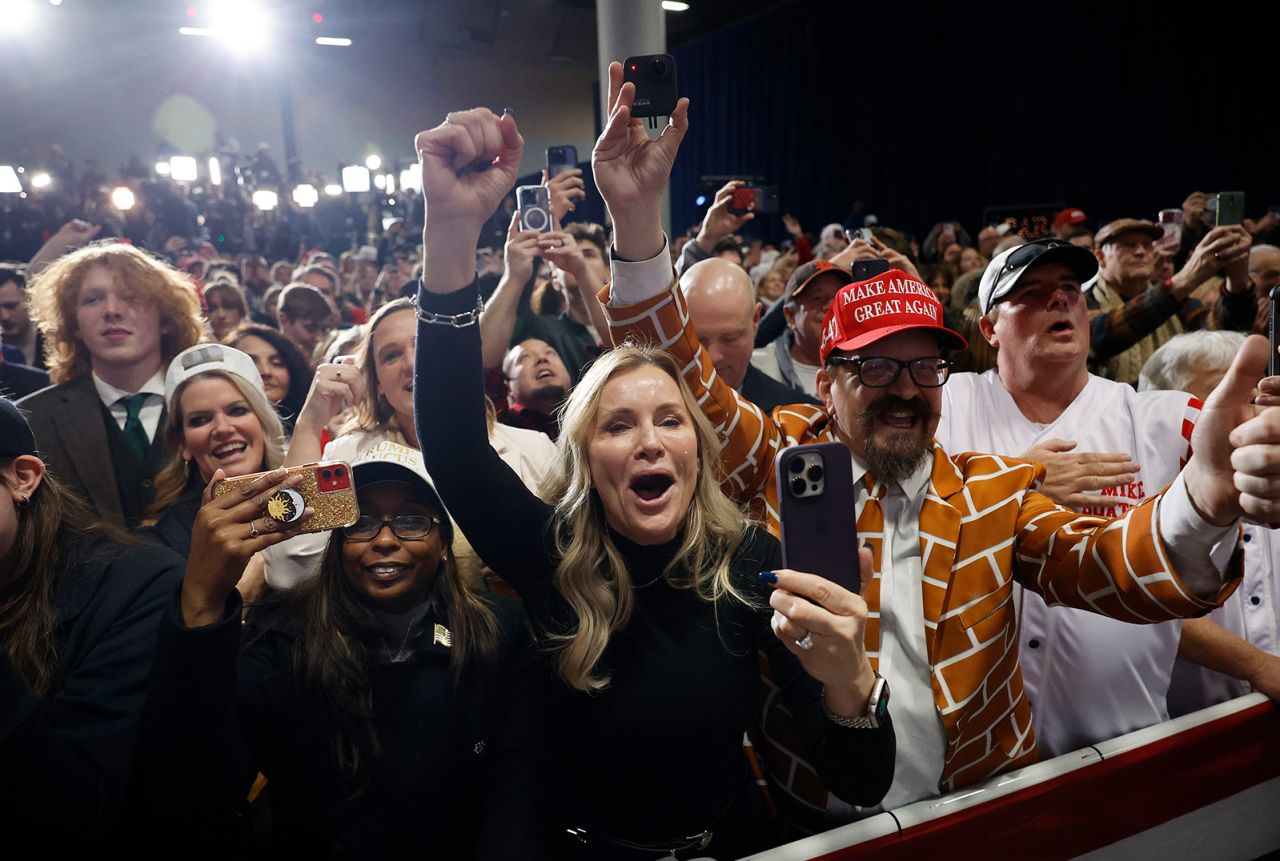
x,y
723,309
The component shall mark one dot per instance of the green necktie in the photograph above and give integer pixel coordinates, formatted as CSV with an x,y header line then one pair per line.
x,y
134,433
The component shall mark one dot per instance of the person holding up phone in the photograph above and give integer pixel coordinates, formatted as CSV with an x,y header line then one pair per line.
x,y
720,221
388,707
639,574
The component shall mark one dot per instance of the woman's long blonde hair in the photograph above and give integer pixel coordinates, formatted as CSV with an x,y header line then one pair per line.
x,y
592,574
173,479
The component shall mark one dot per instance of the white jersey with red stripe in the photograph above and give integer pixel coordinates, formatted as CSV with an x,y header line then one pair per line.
x,y
1089,678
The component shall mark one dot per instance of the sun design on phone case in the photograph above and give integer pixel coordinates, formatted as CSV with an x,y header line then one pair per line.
x,y
281,507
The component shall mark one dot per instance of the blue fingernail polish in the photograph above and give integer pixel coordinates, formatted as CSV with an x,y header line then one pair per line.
x,y
768,577
508,111
867,544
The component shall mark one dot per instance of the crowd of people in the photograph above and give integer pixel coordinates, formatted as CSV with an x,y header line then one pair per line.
x,y
554,619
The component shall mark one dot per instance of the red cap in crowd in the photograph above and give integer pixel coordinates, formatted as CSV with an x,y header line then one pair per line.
x,y
1069,216
893,301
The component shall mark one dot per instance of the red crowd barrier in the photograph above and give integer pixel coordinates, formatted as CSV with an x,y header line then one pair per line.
x,y
1206,785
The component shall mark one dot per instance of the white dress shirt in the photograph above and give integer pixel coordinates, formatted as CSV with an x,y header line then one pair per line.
x,y
152,407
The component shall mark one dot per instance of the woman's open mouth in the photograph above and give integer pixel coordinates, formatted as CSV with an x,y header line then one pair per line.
x,y
652,488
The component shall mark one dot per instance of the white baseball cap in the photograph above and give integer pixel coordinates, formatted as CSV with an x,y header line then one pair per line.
x,y
203,358
1007,268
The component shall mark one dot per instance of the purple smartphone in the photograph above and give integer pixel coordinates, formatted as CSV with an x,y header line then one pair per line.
x,y
815,508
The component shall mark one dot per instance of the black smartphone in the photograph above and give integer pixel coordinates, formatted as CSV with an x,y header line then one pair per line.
x,y
655,78
560,159
1273,367
534,203
762,199
1230,207
868,268
815,508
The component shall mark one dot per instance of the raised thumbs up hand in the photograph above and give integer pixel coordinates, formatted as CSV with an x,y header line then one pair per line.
x,y
1235,467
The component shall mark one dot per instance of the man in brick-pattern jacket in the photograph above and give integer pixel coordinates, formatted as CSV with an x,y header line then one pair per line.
x,y
949,534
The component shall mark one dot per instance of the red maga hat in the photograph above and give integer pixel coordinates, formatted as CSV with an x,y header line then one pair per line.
x,y
893,301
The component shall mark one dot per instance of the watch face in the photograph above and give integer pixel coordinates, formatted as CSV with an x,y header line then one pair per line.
x,y
882,702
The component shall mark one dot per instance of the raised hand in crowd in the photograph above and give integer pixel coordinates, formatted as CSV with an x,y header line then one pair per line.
x,y
228,531
861,249
1074,478
469,164
719,222
1222,247
631,171
70,236
337,386
498,321
1236,445
562,250
565,190
792,225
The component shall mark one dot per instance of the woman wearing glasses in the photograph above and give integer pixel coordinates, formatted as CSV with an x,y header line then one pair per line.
x,y
388,707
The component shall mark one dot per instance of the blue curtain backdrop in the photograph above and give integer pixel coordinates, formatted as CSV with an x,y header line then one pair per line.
x,y
931,111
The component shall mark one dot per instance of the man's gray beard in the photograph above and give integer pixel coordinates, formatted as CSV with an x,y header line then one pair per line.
x,y
898,460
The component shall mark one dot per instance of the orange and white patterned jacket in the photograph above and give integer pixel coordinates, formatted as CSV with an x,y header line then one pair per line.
x,y
983,525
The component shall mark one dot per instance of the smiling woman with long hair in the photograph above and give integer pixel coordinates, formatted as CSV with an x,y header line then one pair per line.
x,y
218,418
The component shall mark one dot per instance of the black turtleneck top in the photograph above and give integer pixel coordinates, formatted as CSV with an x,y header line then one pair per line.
x,y
658,754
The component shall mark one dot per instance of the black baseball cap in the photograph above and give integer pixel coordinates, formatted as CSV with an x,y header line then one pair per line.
x,y
15,434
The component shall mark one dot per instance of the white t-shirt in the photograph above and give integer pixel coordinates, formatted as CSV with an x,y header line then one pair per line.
x,y
1088,678
1250,614
527,452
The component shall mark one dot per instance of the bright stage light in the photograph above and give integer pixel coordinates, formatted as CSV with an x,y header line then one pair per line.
x,y
41,180
373,162
183,168
675,6
334,41
162,168
122,198
196,31
17,16
9,183
380,181
242,24
55,2
411,177
391,183
305,195
333,189
355,178
215,172
265,200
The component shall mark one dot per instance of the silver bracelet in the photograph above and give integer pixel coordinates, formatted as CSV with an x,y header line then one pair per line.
x,y
457,321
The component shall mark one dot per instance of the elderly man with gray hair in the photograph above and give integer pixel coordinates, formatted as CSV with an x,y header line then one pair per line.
x,y
1236,646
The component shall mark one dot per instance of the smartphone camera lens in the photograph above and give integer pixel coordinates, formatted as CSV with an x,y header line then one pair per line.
x,y
659,68
797,465
815,473
798,486
324,473
338,473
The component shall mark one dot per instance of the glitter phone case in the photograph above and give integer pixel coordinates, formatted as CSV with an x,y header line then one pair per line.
x,y
326,487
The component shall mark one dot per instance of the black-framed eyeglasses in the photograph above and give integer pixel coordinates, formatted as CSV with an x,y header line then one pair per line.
x,y
879,371
406,527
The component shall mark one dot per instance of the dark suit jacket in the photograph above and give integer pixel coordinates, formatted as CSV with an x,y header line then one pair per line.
x,y
71,434
766,392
